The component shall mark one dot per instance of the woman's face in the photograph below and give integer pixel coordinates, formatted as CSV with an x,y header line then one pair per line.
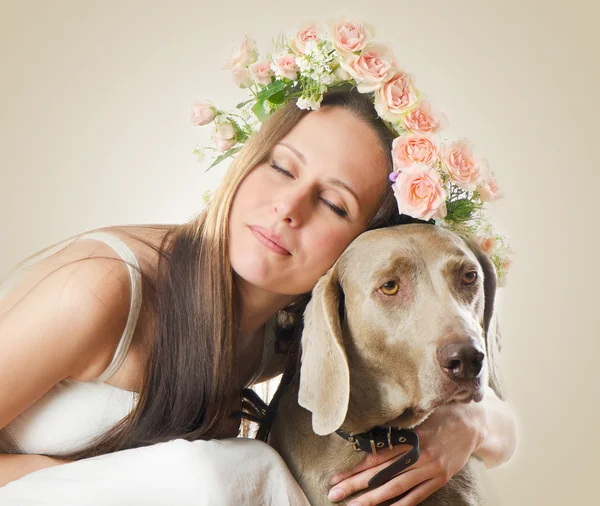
x,y
293,215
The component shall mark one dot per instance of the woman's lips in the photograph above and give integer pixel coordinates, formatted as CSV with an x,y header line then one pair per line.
x,y
270,240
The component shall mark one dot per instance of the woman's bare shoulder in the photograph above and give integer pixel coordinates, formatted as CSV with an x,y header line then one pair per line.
x,y
62,319
145,241
87,278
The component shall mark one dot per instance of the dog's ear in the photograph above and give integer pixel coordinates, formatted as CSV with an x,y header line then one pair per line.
x,y
490,320
324,373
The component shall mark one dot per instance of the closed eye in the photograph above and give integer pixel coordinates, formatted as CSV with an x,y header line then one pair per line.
x,y
281,170
337,210
342,213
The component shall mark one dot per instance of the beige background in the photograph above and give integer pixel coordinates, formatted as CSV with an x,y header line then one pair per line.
x,y
94,99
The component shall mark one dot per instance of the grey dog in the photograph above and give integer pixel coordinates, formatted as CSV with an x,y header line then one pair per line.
x,y
400,325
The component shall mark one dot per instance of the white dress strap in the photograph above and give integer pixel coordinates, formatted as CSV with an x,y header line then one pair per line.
x,y
135,276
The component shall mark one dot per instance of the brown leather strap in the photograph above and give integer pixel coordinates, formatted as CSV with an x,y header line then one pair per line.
x,y
379,438
398,467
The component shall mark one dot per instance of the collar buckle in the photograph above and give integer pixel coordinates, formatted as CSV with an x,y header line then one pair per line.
x,y
355,444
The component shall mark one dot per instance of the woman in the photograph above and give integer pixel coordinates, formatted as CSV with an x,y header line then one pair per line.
x,y
77,330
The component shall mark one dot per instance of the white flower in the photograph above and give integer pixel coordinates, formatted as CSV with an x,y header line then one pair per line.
x,y
328,79
309,104
311,47
303,64
315,62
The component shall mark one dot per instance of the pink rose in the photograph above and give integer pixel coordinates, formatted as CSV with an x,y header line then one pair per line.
x,y
410,149
202,113
460,164
339,72
419,192
224,136
304,35
489,190
246,54
371,69
262,72
506,263
424,120
487,244
241,76
396,97
350,36
286,66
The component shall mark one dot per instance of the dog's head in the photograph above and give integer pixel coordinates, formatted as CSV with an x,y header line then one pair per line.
x,y
402,323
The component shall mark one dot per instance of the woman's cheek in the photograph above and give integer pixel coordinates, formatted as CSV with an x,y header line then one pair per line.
x,y
330,246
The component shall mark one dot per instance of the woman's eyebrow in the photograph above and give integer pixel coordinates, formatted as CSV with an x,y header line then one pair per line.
x,y
295,151
333,181
343,185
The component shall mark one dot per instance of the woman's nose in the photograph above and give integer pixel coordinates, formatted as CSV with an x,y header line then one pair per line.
x,y
293,206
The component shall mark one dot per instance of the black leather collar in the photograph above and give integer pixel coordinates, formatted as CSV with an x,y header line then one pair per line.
x,y
379,438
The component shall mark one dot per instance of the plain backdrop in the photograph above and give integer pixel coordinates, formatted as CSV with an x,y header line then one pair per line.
x,y
95,131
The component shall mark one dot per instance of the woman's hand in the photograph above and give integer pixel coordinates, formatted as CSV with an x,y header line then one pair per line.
x,y
447,439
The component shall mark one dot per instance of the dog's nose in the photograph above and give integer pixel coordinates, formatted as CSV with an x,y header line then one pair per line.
x,y
461,361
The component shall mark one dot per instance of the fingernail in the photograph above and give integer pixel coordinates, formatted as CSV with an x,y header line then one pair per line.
x,y
335,494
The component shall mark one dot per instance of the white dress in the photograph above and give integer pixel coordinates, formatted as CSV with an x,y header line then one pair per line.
x,y
179,473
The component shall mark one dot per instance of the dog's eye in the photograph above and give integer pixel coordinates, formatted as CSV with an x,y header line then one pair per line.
x,y
469,277
389,288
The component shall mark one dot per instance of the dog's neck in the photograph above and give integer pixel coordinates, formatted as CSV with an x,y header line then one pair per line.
x,y
336,453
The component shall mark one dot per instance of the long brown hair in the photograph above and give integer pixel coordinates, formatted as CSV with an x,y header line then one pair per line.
x,y
189,381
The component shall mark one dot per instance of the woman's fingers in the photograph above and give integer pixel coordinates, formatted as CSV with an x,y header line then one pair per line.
x,y
421,492
371,461
360,481
393,488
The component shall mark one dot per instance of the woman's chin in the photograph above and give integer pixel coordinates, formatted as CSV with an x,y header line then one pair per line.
x,y
269,283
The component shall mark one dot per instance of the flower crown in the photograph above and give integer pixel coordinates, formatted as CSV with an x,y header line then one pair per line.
x,y
440,182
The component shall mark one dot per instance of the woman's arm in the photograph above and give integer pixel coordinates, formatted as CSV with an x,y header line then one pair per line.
x,y
62,321
13,467
447,440
496,424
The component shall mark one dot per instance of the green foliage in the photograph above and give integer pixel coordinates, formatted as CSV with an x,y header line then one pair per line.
x,y
225,155
459,210
260,111
270,90
241,105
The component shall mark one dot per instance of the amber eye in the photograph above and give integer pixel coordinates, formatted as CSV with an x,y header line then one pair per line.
x,y
469,277
389,288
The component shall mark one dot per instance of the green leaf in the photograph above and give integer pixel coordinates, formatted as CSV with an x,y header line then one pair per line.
x,y
278,98
227,154
242,104
459,210
260,111
270,90
240,134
